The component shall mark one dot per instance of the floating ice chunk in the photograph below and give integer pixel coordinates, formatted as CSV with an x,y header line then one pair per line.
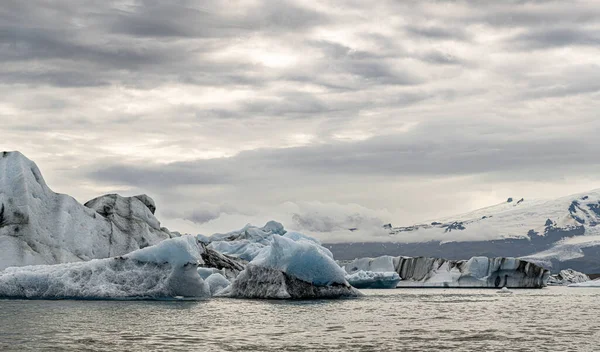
x,y
217,283
162,271
267,283
370,279
304,260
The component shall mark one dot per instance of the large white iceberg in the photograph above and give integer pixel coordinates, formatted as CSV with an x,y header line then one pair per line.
x,y
38,226
291,269
166,270
439,272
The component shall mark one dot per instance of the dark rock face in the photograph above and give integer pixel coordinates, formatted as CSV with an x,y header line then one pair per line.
x,y
261,282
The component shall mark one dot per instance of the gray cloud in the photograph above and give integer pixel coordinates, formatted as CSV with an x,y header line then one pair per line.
x,y
558,37
419,108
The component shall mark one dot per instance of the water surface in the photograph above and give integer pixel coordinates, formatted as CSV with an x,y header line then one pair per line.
x,y
551,319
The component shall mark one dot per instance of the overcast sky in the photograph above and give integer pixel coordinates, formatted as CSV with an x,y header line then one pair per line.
x,y
323,115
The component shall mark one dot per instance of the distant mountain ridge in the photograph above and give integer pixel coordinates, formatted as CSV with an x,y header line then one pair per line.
x,y
557,234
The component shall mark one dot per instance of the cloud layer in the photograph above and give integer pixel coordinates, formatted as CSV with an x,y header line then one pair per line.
x,y
228,112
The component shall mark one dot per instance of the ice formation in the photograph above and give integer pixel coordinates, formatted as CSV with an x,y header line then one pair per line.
x,y
166,270
567,277
248,242
291,269
372,279
262,282
592,283
377,272
475,272
38,226
217,283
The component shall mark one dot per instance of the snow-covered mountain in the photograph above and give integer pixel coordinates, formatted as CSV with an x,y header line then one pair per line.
x,y
517,219
38,226
556,234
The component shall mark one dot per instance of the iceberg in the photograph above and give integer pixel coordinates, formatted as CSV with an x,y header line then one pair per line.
x,y
38,226
475,272
291,269
439,272
592,283
567,277
380,264
164,271
248,242
217,282
371,279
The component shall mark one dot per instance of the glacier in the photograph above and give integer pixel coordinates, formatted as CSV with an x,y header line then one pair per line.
x,y
165,271
39,226
439,272
566,277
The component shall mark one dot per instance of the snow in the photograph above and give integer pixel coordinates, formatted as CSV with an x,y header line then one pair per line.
x,y
509,220
167,270
370,279
38,226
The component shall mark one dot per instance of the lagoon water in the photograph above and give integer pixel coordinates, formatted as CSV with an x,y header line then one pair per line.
x,y
550,319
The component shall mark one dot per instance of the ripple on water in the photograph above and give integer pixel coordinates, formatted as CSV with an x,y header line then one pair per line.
x,y
412,320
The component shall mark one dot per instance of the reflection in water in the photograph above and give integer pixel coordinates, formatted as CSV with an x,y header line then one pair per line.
x,y
551,319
